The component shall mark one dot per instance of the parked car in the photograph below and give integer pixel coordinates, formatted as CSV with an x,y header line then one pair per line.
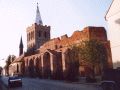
x,y
108,85
15,81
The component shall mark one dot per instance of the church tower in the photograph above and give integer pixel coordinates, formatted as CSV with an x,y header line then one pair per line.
x,y
37,34
21,47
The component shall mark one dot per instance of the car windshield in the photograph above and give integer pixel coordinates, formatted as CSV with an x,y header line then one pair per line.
x,y
14,77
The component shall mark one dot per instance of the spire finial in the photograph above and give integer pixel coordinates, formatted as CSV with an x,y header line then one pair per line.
x,y
38,17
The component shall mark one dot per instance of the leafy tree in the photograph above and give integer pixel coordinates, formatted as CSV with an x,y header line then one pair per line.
x,y
72,65
9,60
93,52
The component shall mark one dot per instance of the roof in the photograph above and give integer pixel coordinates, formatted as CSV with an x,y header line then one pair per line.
x,y
113,9
38,19
51,51
108,9
19,59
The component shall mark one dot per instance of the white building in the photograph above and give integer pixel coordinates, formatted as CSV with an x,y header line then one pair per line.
x,y
113,19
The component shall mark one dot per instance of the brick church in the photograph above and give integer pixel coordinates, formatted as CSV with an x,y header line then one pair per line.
x,y
46,56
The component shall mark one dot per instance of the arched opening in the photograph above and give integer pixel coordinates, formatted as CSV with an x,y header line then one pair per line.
x,y
29,36
23,68
31,68
46,65
38,68
17,68
71,66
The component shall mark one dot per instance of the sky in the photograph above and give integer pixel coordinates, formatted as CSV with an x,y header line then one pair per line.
x,y
64,17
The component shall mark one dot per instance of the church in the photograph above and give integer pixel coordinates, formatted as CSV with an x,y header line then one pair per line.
x,y
46,57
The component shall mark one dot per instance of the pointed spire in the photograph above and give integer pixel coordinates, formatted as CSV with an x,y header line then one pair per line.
x,y
38,17
21,43
21,47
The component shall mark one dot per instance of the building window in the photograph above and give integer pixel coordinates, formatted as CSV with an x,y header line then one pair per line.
x,y
29,36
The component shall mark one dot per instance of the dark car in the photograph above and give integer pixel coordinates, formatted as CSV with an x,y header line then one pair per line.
x,y
108,85
15,81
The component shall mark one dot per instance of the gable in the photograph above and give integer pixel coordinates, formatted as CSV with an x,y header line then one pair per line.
x,y
114,9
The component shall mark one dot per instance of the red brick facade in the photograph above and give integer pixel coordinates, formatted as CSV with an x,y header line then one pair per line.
x,y
51,56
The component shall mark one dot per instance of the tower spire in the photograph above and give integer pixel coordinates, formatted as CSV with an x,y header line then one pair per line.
x,y
21,47
38,19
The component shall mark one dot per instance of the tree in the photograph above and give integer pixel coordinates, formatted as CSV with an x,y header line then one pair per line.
x,y
72,65
9,60
93,52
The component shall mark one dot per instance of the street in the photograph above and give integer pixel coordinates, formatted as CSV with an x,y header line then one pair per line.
x,y
42,84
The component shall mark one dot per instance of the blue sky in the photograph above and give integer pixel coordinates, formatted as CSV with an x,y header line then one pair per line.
x,y
64,17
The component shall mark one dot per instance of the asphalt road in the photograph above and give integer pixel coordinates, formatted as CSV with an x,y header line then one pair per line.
x,y
41,84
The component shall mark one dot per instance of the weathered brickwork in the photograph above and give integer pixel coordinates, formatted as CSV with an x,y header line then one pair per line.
x,y
37,35
51,57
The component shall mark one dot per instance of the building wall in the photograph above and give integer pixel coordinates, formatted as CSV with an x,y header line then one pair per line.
x,y
113,20
52,56
37,35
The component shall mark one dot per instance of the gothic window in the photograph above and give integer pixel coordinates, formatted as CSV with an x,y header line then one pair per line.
x,y
17,68
33,35
29,36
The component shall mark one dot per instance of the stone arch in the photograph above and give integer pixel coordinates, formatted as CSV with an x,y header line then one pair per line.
x,y
38,67
31,67
46,65
23,68
17,68
26,66
67,58
26,63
